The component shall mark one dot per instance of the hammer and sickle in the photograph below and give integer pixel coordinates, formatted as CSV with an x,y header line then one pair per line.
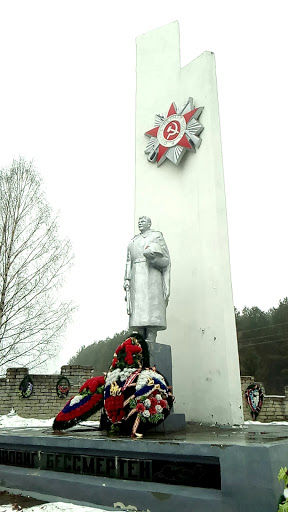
x,y
115,389
172,130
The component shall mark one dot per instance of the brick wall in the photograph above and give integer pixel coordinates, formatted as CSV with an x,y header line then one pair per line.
x,y
44,401
274,408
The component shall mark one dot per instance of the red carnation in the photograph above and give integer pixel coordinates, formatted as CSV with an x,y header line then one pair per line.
x,y
114,406
163,404
114,362
129,359
121,415
120,400
108,404
153,401
152,411
93,402
118,349
92,384
140,407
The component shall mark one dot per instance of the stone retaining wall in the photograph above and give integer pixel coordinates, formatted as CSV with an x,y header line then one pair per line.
x,y
44,401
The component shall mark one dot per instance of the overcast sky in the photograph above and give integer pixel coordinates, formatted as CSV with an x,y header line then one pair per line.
x,y
68,72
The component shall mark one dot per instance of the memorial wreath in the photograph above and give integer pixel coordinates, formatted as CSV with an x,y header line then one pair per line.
x,y
133,397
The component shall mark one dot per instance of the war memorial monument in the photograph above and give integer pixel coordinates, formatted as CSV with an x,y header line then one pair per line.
x,y
179,299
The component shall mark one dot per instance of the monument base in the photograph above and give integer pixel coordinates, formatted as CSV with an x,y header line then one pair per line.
x,y
173,423
203,468
160,356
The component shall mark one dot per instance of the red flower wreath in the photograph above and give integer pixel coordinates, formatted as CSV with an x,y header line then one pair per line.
x,y
90,401
80,411
129,352
92,384
114,408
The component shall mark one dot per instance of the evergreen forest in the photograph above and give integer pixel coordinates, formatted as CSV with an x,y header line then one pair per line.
x,y
99,354
262,343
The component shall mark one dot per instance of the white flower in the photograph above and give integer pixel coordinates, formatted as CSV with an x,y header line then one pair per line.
x,y
285,492
75,400
159,397
158,408
112,376
147,402
147,375
118,374
146,413
159,377
126,373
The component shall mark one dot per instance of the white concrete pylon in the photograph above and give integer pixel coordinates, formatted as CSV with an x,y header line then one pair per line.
x,y
187,203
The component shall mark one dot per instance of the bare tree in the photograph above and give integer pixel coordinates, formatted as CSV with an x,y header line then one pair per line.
x,y
33,261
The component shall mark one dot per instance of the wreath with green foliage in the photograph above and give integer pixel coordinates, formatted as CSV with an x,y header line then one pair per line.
x,y
63,387
254,399
26,387
135,397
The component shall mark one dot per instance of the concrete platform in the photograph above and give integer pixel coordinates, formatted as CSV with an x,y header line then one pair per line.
x,y
202,468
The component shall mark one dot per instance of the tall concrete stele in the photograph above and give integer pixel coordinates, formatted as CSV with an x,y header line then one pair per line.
x,y
187,203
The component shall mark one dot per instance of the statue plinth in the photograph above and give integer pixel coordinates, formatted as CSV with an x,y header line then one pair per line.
x,y
160,356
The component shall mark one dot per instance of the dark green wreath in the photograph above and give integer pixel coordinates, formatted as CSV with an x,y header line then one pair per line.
x,y
63,387
26,387
254,409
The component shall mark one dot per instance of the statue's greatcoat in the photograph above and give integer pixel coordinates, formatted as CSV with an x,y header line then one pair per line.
x,y
149,285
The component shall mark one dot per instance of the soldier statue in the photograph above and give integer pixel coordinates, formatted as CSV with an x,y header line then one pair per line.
x,y
147,281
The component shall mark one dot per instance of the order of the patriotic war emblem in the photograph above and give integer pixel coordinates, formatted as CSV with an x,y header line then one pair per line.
x,y
174,133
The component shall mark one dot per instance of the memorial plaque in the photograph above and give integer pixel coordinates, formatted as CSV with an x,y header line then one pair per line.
x,y
201,472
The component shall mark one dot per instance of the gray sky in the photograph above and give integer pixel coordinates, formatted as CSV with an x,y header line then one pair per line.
x,y
68,78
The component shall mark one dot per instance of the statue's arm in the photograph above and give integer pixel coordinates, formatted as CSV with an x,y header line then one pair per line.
x,y
166,271
166,256
127,275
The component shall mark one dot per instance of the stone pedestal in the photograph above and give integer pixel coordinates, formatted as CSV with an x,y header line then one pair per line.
x,y
160,356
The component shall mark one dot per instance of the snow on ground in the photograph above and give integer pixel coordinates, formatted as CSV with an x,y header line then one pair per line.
x,y
13,420
53,507
250,422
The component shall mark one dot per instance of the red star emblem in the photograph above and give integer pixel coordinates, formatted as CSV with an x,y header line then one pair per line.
x,y
174,133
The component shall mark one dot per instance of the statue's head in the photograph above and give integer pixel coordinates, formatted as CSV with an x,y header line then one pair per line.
x,y
144,223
